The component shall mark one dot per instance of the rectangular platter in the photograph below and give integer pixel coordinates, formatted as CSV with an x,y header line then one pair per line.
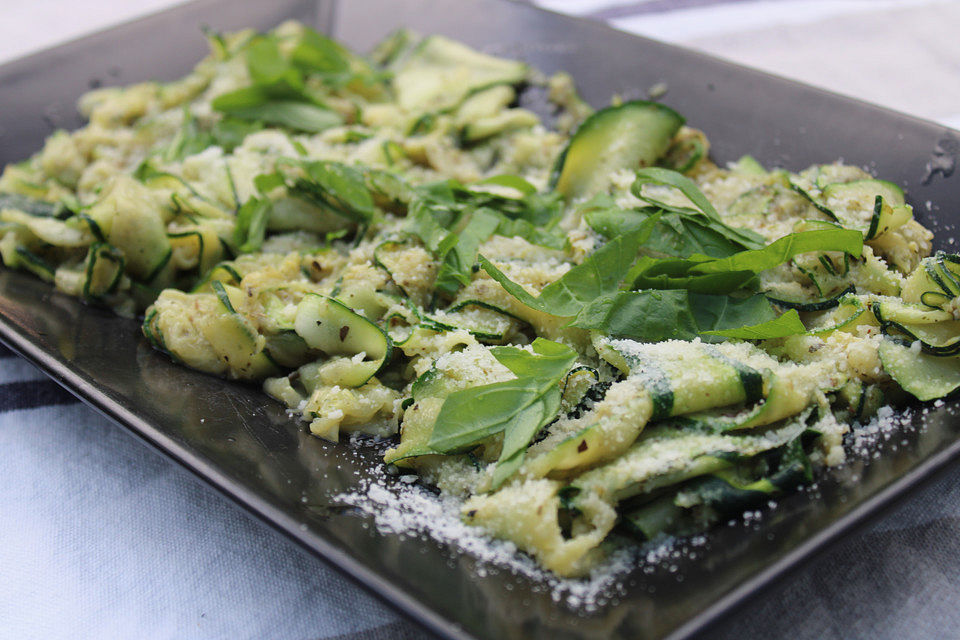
x,y
244,445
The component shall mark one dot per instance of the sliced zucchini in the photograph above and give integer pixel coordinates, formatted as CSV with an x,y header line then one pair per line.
x,y
50,230
200,248
935,282
33,206
629,136
508,120
483,322
103,271
233,338
828,301
439,73
748,165
686,377
865,192
848,312
664,456
223,273
34,264
686,151
131,221
938,331
848,200
925,376
832,173
576,385
334,328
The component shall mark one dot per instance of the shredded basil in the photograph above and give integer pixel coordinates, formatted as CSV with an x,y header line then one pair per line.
x,y
601,273
704,274
278,95
665,177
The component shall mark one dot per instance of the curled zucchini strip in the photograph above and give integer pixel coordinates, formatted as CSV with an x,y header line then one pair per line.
x,y
335,329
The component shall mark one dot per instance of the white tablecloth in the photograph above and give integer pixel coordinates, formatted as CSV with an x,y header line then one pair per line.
x,y
102,538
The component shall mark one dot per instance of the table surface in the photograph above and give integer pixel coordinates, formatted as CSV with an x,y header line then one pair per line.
x,y
100,537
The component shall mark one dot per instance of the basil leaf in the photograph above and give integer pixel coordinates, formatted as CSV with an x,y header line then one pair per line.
x,y
270,72
336,187
653,316
703,274
518,408
511,181
457,266
665,177
301,116
251,226
788,324
429,224
243,98
725,312
677,235
548,360
783,249
526,425
471,415
267,182
601,273
647,316
278,95
319,54
229,133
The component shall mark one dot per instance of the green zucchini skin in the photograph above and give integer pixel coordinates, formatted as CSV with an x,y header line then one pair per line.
x,y
334,328
823,304
629,136
924,376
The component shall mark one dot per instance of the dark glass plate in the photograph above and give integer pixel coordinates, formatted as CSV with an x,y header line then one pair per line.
x,y
243,444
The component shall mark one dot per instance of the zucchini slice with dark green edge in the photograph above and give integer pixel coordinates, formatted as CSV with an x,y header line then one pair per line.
x,y
685,152
697,503
862,401
849,309
223,273
335,329
103,271
484,322
935,282
576,384
748,165
207,244
287,349
730,382
819,206
153,334
234,339
886,199
629,136
821,304
438,73
938,331
836,173
33,206
35,264
385,256
925,376
703,454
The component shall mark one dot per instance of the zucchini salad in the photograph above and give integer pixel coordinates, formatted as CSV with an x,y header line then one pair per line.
x,y
575,324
